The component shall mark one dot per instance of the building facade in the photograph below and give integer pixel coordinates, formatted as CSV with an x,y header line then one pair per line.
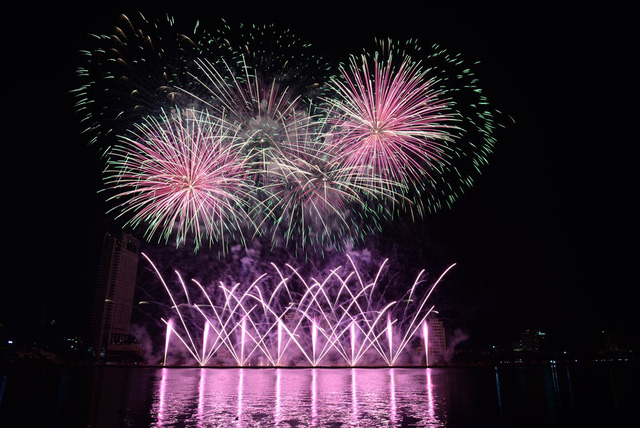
x,y
531,341
114,294
437,341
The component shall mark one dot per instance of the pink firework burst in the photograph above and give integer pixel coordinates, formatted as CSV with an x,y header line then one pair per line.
x,y
312,196
258,105
181,175
392,120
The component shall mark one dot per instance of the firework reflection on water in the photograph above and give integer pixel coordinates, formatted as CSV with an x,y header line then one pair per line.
x,y
298,397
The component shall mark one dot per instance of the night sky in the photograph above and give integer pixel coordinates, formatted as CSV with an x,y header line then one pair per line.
x,y
544,240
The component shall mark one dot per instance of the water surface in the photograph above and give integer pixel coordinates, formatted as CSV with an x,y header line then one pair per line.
x,y
518,396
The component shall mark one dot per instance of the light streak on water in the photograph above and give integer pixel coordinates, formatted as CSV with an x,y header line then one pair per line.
x,y
162,395
499,392
240,392
201,393
393,411
431,402
354,397
278,409
314,397
348,397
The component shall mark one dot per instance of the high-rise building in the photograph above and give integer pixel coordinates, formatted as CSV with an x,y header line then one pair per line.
x,y
530,340
437,341
48,332
114,295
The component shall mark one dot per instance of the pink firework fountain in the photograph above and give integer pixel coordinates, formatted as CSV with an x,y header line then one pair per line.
x,y
338,320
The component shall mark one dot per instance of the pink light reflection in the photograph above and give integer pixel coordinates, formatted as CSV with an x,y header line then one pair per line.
x,y
217,397
314,398
278,410
392,396
161,398
354,398
430,400
240,387
203,375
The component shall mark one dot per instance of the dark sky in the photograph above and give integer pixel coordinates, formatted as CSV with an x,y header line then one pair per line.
x,y
542,241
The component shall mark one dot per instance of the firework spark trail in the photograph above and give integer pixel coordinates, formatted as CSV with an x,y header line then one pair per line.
x,y
313,199
280,148
166,341
277,54
307,195
326,323
181,175
261,108
425,335
473,133
392,119
136,71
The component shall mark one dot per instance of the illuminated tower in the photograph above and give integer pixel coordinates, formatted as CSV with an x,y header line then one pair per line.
x,y
113,301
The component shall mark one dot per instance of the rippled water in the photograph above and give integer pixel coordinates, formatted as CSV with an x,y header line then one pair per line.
x,y
284,397
580,395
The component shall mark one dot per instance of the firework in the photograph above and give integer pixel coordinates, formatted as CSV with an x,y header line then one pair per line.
x,y
134,72
308,196
393,121
474,124
181,175
282,319
417,119
313,198
277,147
277,55
263,110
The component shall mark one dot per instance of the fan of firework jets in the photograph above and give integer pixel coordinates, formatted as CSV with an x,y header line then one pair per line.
x,y
245,133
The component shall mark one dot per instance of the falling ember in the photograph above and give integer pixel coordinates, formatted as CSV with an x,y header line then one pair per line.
x,y
341,319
